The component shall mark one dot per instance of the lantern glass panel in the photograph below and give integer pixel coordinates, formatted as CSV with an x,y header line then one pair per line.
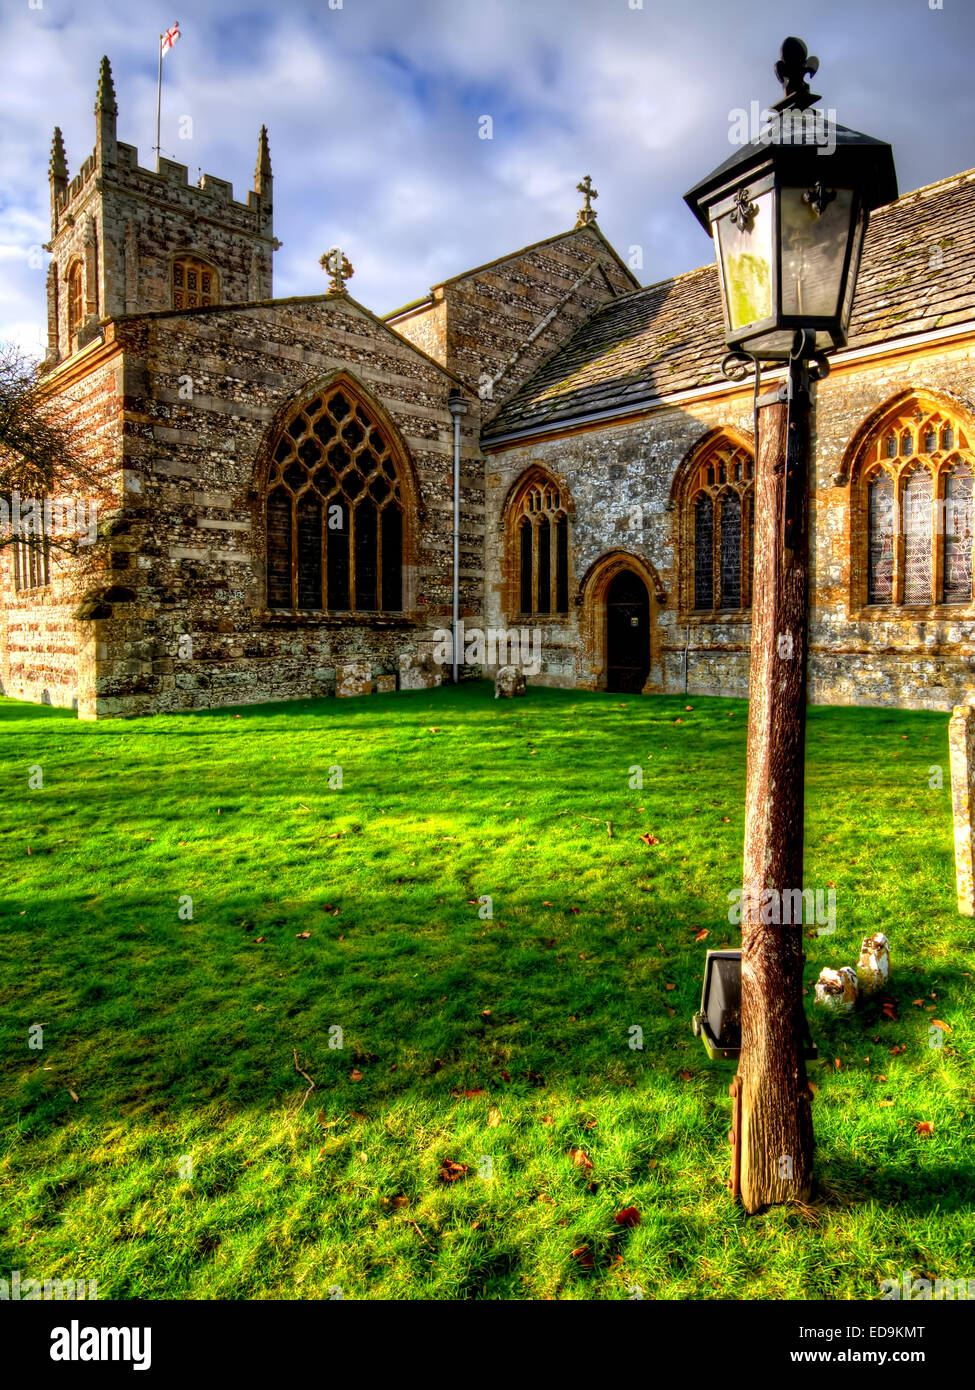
x,y
748,263
813,252
849,289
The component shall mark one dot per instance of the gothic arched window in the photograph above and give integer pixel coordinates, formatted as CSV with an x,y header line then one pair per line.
x,y
914,536
194,283
75,297
538,529
717,527
335,511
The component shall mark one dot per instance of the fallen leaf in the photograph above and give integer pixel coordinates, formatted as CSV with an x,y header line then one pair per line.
x,y
451,1172
581,1160
883,1103
917,1003
260,938
924,1127
649,839
302,935
837,1063
401,1201
73,1095
583,1256
629,1216
896,1051
685,1075
666,986
812,1086
505,1076
702,935
355,1074
936,1023
494,1118
574,911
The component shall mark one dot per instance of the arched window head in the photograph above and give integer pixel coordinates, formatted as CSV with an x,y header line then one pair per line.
x,y
538,542
717,510
335,510
194,283
912,505
75,297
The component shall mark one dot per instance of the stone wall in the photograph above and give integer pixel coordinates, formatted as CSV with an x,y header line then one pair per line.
x,y
621,477
43,644
203,390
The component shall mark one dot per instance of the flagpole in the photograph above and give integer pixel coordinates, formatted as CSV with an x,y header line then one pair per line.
x,y
159,102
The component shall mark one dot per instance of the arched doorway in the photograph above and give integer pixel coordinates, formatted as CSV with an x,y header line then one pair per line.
x,y
627,633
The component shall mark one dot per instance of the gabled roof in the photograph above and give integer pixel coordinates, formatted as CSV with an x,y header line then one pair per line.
x,y
918,274
428,299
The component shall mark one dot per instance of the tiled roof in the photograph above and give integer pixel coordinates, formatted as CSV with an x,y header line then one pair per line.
x,y
918,274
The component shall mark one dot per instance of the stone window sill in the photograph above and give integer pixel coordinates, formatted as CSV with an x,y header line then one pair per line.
x,y
299,617
936,612
537,619
697,618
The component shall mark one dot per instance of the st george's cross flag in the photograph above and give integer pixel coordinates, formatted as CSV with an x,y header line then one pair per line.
x,y
169,38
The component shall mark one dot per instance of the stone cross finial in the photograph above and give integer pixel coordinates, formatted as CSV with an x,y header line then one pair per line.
x,y
337,264
791,70
587,214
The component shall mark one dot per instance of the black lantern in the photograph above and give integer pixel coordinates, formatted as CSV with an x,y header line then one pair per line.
x,y
718,1024
788,213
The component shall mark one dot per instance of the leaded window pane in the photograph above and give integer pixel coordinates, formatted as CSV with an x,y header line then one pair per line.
x,y
703,552
918,494
731,550
880,525
957,586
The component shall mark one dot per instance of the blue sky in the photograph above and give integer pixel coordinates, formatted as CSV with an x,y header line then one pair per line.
x,y
373,109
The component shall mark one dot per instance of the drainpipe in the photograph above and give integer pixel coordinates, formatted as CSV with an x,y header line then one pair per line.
x,y
457,407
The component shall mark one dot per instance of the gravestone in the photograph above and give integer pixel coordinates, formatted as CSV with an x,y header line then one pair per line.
x,y
418,671
354,678
508,683
961,747
385,685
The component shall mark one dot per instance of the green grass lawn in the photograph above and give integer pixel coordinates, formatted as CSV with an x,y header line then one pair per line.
x,y
499,1043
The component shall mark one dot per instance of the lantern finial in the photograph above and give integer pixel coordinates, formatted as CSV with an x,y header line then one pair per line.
x,y
791,70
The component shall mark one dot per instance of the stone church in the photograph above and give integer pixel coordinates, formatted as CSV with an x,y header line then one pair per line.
x,y
276,514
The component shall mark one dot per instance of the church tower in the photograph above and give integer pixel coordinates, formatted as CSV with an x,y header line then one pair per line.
x,y
128,240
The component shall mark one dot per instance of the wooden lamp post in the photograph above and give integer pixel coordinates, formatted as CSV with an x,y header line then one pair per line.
x,y
788,213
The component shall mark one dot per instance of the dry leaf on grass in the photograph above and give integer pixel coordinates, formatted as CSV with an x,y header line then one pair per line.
x,y
581,1160
924,1127
451,1172
494,1118
629,1216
